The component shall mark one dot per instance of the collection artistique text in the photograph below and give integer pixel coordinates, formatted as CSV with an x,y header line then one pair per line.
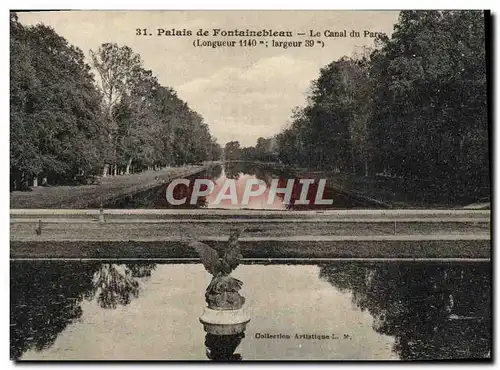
x,y
301,336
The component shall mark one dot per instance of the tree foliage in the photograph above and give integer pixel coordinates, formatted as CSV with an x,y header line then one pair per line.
x,y
265,150
414,108
66,125
55,122
150,126
430,105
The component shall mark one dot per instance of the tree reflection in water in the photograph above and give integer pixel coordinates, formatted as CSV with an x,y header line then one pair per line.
x,y
215,172
262,171
46,297
115,284
268,173
233,170
433,311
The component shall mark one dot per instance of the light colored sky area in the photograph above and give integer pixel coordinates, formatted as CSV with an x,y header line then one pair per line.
x,y
242,92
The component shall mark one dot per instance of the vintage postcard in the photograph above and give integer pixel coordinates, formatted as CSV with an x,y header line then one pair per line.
x,y
250,185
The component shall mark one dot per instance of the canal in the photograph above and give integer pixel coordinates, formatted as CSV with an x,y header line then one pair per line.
x,y
242,173
149,310
343,310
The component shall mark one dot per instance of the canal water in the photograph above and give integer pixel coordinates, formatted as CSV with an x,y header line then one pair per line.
x,y
64,310
103,310
241,172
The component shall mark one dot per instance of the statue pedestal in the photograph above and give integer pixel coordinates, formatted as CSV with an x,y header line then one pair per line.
x,y
224,322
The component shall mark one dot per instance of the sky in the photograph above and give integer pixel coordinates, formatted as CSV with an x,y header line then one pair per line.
x,y
242,93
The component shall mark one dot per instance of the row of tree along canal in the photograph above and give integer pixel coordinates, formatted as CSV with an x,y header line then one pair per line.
x,y
67,128
410,114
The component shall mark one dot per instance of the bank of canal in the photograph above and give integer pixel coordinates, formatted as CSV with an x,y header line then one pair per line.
x,y
107,191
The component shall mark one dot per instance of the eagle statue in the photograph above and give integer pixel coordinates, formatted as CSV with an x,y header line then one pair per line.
x,y
223,291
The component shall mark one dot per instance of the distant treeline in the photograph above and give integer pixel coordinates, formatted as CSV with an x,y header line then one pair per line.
x,y
67,125
263,151
414,107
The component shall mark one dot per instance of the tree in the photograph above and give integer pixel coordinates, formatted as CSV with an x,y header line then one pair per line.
x,y
415,108
138,124
55,121
359,91
117,68
321,133
64,129
149,125
216,150
430,118
232,151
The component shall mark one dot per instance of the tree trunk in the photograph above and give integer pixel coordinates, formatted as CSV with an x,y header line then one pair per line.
x,y
321,159
15,180
23,184
353,164
129,163
115,169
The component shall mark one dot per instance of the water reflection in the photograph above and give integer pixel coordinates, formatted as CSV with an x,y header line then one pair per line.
x,y
430,311
46,297
215,172
234,170
115,284
241,172
222,347
434,311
